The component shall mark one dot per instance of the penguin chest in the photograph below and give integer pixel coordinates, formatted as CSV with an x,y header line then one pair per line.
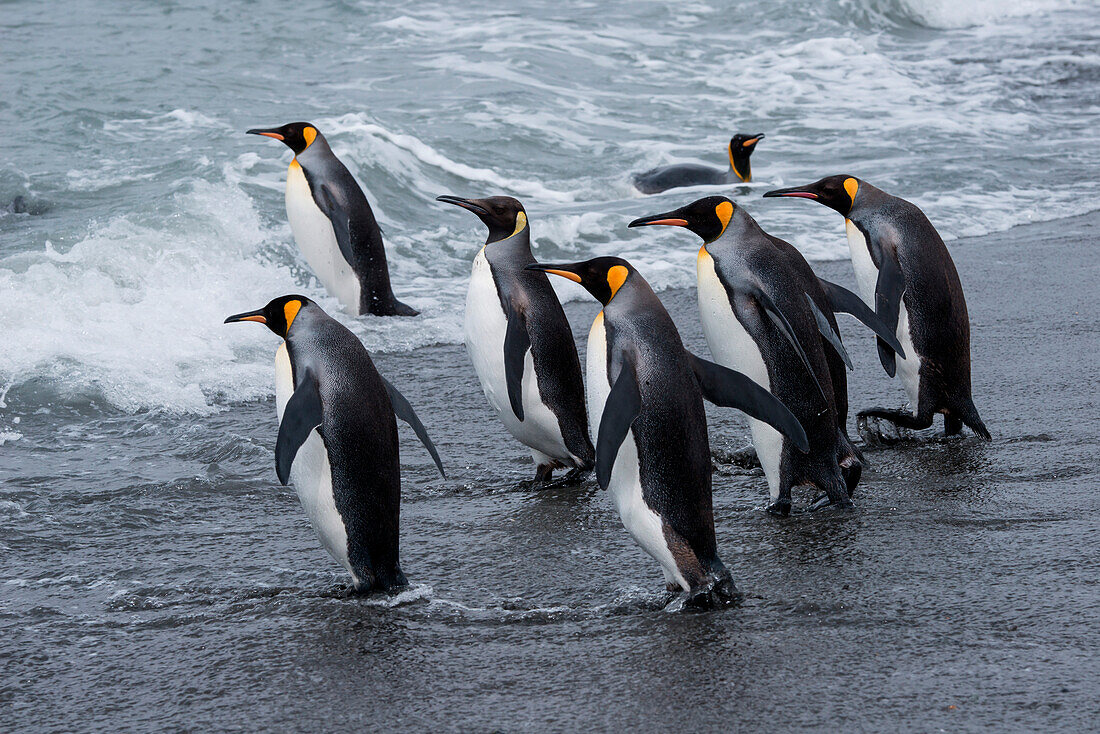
x,y
865,270
734,347
908,369
317,240
625,486
485,326
311,474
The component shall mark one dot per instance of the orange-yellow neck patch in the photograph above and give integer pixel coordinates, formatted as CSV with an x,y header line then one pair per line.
x,y
521,222
310,134
616,276
724,212
851,186
290,310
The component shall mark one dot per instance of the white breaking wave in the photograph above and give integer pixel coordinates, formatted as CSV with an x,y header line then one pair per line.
x,y
160,219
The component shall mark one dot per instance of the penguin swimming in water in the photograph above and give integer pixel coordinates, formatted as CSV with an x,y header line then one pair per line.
x,y
656,180
645,399
334,226
521,345
766,314
337,438
906,274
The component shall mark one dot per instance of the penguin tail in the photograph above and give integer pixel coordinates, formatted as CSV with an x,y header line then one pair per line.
x,y
965,411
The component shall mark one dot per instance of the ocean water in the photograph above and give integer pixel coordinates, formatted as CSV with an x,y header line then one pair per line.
x,y
139,513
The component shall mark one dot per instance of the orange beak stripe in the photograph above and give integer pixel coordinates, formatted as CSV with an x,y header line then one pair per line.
x,y
565,274
277,136
670,222
257,318
747,143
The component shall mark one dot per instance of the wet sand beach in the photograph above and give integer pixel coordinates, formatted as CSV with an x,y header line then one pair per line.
x,y
962,594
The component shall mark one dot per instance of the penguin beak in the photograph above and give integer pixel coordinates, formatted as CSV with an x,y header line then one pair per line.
x,y
266,134
473,205
753,140
257,316
666,219
800,192
563,270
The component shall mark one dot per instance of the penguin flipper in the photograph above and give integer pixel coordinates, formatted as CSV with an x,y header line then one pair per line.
x,y
403,410
844,301
888,290
516,343
624,402
731,389
340,218
828,332
302,414
776,316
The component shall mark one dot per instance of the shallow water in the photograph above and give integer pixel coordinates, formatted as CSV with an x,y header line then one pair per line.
x,y
154,571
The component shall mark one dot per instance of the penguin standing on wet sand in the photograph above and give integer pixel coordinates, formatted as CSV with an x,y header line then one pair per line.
x,y
906,274
338,438
765,313
645,399
656,180
521,345
334,226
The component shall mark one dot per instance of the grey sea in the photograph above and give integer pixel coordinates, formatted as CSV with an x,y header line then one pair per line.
x,y
154,574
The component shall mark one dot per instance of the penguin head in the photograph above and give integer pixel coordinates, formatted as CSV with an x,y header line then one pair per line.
x,y
297,135
601,276
279,315
503,215
836,192
741,147
706,217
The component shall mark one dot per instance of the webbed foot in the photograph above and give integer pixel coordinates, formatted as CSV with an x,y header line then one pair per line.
x,y
780,508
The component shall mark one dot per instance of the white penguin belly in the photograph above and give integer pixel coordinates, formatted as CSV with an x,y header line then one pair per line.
x,y
625,486
311,474
317,240
486,326
908,369
732,346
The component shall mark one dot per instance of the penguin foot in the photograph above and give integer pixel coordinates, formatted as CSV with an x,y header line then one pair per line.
x,y
379,307
780,508
576,476
543,473
716,592
879,431
823,501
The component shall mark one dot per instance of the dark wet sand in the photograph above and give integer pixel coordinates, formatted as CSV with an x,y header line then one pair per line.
x,y
962,594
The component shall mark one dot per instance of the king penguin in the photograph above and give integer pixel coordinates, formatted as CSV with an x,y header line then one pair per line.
x,y
765,313
645,397
337,438
521,345
334,225
904,271
741,146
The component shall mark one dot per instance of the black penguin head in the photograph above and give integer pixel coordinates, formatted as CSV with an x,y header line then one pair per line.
x,y
601,276
503,215
741,147
836,192
297,135
706,217
279,315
